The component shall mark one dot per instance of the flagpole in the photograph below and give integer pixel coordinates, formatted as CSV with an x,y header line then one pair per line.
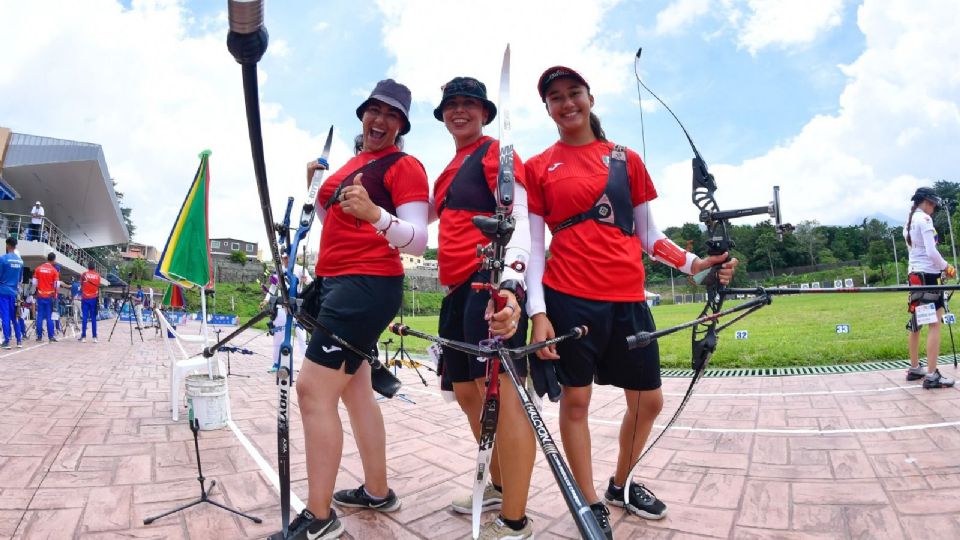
x,y
203,327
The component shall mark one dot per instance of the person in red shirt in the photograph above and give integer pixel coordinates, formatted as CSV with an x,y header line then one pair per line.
x,y
595,197
89,292
466,188
46,279
372,209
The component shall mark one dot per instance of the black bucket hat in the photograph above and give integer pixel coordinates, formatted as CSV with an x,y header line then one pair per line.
x,y
926,194
470,87
393,94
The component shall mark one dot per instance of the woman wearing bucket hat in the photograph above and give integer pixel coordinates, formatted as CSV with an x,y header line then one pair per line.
x,y
464,189
372,208
595,197
925,267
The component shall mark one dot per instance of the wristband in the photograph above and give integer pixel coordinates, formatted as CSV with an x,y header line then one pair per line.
x,y
516,288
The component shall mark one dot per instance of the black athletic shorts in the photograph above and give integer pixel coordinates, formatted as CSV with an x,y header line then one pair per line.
x,y
358,309
936,298
602,356
461,319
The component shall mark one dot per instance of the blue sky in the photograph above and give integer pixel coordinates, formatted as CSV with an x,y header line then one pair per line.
x,y
848,106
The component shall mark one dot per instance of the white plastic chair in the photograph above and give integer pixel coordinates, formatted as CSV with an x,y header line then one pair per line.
x,y
182,364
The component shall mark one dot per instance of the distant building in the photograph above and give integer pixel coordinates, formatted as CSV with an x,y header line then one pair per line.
x,y
411,261
141,251
223,247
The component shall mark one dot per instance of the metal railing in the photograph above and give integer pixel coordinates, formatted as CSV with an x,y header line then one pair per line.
x,y
23,229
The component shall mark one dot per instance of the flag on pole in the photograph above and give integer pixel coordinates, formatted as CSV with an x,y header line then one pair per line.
x,y
186,256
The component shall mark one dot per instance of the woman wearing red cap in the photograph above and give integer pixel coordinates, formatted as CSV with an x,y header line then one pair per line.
x,y
464,189
595,196
372,208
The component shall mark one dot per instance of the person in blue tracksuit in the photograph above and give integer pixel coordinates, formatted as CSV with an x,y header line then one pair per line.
x,y
11,272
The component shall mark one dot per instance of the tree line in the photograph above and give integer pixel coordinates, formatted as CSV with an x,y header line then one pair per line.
x,y
872,242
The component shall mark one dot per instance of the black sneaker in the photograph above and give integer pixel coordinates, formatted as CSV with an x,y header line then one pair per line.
x,y
916,373
358,498
316,529
321,528
642,501
936,380
602,513
6,344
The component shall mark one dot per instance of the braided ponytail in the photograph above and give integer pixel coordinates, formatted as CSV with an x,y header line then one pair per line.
x,y
910,221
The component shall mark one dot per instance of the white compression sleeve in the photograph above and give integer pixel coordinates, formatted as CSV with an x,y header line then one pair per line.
x,y
649,234
407,231
535,299
930,246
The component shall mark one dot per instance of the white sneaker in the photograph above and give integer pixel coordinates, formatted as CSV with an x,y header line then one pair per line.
x,y
82,340
95,340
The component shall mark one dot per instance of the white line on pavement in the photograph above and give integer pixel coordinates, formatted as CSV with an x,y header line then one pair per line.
x,y
272,475
784,431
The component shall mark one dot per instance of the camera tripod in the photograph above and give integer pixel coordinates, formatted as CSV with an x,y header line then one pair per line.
x,y
397,360
204,496
126,302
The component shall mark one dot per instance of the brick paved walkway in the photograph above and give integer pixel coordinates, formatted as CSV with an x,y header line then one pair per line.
x,y
87,450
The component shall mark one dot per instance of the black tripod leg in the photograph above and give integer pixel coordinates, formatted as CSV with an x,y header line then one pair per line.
x,y
414,364
150,520
255,519
115,321
195,428
953,346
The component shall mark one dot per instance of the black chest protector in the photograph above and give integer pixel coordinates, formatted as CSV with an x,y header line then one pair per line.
x,y
469,189
614,206
372,180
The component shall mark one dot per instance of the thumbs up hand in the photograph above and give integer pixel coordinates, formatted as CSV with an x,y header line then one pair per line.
x,y
355,201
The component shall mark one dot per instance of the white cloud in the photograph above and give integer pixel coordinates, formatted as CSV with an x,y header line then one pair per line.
x,y
895,128
153,91
433,41
679,14
787,22
758,24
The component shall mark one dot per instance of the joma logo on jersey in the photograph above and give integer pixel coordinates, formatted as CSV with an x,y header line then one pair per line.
x,y
606,160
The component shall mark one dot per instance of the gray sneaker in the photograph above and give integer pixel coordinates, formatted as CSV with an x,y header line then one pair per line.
x,y
492,500
916,373
936,380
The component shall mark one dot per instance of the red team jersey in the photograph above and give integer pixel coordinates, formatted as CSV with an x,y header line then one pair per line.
x,y
588,260
90,284
349,247
457,257
46,275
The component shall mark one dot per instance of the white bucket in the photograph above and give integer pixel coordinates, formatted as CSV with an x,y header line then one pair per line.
x,y
207,401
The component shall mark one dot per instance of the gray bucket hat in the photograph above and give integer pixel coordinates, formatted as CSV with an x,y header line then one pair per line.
x,y
394,94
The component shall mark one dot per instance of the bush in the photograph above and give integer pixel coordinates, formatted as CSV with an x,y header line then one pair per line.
x,y
238,256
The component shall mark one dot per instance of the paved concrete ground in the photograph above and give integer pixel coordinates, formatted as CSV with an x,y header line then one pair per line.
x,y
87,450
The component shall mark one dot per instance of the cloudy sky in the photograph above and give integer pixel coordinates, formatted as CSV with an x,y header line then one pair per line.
x,y
847,105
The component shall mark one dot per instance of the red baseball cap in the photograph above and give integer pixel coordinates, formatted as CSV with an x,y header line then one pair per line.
x,y
557,72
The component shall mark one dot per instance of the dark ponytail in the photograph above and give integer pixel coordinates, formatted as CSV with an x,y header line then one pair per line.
x,y
596,128
910,221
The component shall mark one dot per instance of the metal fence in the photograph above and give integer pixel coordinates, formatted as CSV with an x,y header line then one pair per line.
x,y
23,229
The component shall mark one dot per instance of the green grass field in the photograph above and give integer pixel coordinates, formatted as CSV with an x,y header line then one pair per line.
x,y
793,331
